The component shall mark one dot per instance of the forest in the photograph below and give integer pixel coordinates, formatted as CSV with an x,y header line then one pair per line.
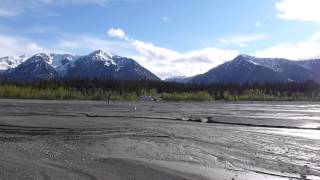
x,y
119,90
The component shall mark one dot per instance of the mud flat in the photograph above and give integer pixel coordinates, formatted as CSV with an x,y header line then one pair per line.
x,y
90,140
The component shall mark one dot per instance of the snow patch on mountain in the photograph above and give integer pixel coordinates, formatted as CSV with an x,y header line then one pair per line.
x,y
10,62
178,79
101,55
61,62
243,59
97,65
276,64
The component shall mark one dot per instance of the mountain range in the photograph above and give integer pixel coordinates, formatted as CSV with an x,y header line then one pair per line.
x,y
251,69
104,65
97,65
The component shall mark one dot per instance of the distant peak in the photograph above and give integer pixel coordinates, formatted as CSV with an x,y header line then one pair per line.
x,y
101,52
245,56
41,57
100,55
24,56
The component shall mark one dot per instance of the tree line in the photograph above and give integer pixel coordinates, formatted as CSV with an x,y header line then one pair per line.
x,y
95,89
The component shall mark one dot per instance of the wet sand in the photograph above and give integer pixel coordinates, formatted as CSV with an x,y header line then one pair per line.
x,y
159,140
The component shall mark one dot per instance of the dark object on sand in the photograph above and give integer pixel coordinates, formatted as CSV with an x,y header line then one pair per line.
x,y
146,98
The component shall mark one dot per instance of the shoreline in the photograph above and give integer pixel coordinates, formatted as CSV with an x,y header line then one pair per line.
x,y
165,101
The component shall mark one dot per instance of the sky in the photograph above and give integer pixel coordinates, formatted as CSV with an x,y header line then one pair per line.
x,y
168,37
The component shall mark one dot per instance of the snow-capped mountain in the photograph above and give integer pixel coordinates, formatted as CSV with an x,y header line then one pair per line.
x,y
35,68
178,79
9,62
62,62
97,65
58,61
104,65
246,68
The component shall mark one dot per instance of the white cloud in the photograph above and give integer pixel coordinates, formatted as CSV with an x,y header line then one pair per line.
x,y
85,44
167,63
7,13
19,7
302,10
315,38
54,2
63,2
165,19
162,61
39,29
241,40
15,46
258,24
74,44
300,50
117,33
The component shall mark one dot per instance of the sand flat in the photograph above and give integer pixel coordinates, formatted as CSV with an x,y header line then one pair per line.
x,y
155,140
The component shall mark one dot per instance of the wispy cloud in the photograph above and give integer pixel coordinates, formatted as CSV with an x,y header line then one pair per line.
x,y
258,24
15,46
42,29
64,2
7,12
66,43
165,19
302,10
241,40
299,50
79,44
19,7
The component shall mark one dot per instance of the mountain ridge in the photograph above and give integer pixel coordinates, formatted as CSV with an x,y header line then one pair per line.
x,y
105,65
251,69
96,65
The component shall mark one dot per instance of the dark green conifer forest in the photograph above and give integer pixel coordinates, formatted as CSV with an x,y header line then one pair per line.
x,y
131,90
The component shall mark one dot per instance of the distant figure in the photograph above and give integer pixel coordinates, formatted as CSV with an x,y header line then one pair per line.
x,y
108,99
146,98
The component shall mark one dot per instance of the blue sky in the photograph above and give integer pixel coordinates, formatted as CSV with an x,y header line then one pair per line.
x,y
169,37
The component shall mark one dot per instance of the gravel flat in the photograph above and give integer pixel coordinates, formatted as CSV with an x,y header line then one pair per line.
x,y
159,140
